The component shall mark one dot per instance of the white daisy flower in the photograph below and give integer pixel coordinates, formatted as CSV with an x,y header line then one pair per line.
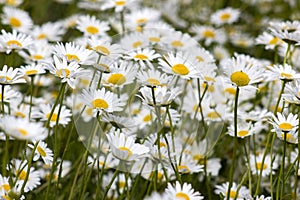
x,y
179,192
118,5
102,100
134,40
43,112
225,16
256,164
9,94
243,130
144,117
42,151
143,57
14,41
153,78
74,52
18,19
124,147
10,76
38,52
12,3
22,129
67,71
32,70
242,194
268,40
292,92
104,47
284,124
90,25
4,186
209,34
178,40
179,64
282,72
50,31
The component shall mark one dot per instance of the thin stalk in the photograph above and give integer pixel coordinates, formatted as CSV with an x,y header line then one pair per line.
x,y
298,160
31,95
110,184
2,99
235,142
281,173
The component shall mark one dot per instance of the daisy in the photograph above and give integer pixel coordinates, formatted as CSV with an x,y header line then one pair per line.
x,y
187,165
43,112
42,151
18,19
104,162
153,78
39,51
67,71
282,72
208,34
14,41
225,16
32,70
292,92
287,31
89,25
74,52
201,55
4,186
178,64
270,41
12,3
256,164
153,35
163,96
242,40
104,47
241,73
124,147
102,100
50,31
22,129
118,5
9,94
119,76
134,40
242,194
144,117
20,111
19,170
244,130
143,57
123,123
180,192
10,76
178,40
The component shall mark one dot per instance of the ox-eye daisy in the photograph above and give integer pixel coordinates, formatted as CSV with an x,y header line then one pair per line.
x,y
241,194
74,52
89,25
178,64
102,100
143,56
180,192
118,5
67,71
18,19
282,72
256,164
268,40
38,52
10,76
209,34
42,151
104,47
50,31
284,124
22,129
178,40
225,16
153,78
124,147
31,70
14,41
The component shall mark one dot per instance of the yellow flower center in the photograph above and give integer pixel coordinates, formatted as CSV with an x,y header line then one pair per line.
x,y
41,36
154,39
142,21
147,118
53,117
274,41
213,115
18,113
102,50
63,72
117,79
41,151
182,195
285,126
162,144
232,194
198,157
183,169
71,57
13,43
199,58
100,103
15,22
6,187
122,184
208,34
7,78
31,72
153,81
240,78
23,131
141,56
225,16
259,166
286,75
177,43
137,44
180,69
11,2
120,3
22,174
37,57
242,133
289,137
129,152
92,30
89,111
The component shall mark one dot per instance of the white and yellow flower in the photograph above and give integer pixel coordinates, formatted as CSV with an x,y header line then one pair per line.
x,y
225,16
90,25
14,41
180,192
42,151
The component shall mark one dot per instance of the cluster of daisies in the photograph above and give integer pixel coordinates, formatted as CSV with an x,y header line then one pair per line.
x,y
159,113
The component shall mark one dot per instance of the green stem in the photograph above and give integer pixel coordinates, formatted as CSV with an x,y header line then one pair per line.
x,y
298,160
31,95
235,143
2,100
281,173
110,184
